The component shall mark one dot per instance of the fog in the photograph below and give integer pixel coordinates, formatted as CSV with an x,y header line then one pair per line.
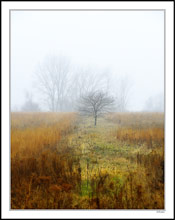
x,y
124,47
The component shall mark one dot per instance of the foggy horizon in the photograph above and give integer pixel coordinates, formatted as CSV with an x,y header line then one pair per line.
x,y
120,44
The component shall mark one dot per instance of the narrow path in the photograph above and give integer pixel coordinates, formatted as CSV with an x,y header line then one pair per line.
x,y
98,150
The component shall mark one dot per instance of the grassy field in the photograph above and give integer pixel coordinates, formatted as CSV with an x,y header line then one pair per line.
x,y
61,161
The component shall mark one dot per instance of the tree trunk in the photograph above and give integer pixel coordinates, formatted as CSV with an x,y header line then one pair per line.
x,y
95,123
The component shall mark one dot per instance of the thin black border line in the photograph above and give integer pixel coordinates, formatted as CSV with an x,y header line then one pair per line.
x,y
10,10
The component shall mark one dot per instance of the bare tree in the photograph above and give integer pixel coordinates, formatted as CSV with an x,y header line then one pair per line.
x,y
53,81
95,104
86,80
30,105
123,90
155,103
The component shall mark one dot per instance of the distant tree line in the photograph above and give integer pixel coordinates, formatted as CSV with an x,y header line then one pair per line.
x,y
30,105
154,103
62,87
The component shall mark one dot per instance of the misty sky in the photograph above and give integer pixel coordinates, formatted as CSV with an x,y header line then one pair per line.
x,y
125,42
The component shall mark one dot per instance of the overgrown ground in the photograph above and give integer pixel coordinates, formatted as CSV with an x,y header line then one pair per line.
x,y
61,161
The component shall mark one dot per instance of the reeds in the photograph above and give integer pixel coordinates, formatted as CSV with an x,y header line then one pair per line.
x,y
151,137
42,163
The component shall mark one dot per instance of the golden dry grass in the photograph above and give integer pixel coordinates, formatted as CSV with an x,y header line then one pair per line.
x,y
149,136
31,133
36,161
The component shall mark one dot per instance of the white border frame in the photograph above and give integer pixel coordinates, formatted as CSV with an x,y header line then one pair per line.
x,y
132,214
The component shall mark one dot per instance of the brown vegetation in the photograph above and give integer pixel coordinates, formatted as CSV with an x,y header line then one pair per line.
x,y
57,163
